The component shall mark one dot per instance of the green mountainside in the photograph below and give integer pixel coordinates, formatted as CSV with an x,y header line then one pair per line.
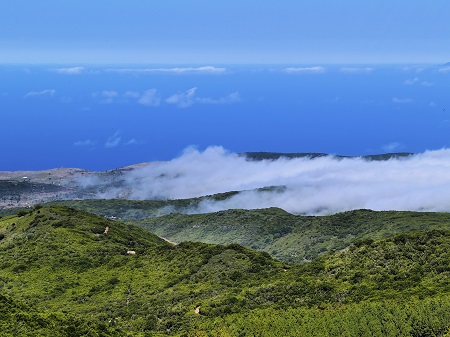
x,y
285,236
65,272
138,209
288,237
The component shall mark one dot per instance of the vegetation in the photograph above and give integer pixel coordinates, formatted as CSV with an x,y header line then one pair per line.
x,y
288,237
285,236
70,273
138,209
313,155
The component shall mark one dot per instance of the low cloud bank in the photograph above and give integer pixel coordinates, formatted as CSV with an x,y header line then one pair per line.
x,y
312,186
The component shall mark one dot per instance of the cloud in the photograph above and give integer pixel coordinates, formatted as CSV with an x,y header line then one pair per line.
x,y
444,70
188,97
411,81
397,100
47,92
416,80
178,70
107,96
365,70
183,99
132,94
70,71
231,98
86,142
114,140
306,70
149,98
133,141
323,185
417,70
392,147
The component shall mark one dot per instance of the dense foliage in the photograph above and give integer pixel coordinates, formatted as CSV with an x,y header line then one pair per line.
x,y
285,236
71,273
138,209
288,237
277,155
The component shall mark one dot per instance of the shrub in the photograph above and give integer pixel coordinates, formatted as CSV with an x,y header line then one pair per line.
x,y
21,213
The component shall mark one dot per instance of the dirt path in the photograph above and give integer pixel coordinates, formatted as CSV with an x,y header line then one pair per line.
x,y
167,240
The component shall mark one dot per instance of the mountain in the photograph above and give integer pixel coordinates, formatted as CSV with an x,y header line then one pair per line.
x,y
138,209
66,272
61,260
285,236
288,237
276,155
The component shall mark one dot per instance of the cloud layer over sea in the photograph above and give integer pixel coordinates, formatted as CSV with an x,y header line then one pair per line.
x,y
322,185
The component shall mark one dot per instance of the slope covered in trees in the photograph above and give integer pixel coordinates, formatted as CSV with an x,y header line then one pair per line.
x,y
288,237
73,270
285,236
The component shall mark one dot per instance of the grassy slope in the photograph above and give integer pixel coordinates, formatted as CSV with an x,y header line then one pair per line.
x,y
57,261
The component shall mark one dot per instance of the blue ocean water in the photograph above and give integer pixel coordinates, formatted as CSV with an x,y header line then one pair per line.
x,y
103,117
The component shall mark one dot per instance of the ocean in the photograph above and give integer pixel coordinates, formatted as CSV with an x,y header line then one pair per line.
x,y
104,117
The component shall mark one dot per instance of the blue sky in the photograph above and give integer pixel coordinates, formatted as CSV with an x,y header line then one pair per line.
x,y
205,31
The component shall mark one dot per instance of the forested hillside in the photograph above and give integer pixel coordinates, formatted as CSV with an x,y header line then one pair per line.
x,y
68,272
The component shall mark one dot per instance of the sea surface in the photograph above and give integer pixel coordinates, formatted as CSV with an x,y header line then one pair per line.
x,y
104,117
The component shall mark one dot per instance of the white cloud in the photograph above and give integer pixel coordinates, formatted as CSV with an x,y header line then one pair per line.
x,y
86,142
133,141
178,70
392,147
70,71
416,80
312,186
114,140
106,96
365,70
444,70
109,93
305,70
397,100
149,98
417,70
188,97
183,99
411,81
47,92
231,98
132,94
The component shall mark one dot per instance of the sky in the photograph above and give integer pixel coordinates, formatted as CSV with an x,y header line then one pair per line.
x,y
218,32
